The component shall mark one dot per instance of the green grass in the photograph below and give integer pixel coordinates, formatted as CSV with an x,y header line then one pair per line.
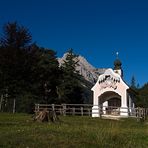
x,y
18,130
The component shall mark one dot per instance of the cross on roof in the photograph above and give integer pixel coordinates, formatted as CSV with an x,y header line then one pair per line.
x,y
117,53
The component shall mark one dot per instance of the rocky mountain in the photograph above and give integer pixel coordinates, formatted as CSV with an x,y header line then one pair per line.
x,y
85,69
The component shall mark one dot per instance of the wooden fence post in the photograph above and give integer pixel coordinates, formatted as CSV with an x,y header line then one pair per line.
x,y
64,109
53,107
73,111
146,113
14,106
1,102
144,110
81,111
137,113
38,107
88,112
60,110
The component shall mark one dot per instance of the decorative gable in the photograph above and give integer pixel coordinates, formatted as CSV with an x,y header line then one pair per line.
x,y
108,79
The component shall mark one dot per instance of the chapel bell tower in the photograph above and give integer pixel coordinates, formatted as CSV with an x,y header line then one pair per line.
x,y
117,66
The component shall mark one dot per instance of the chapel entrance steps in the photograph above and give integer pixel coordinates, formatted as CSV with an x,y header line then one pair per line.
x,y
111,110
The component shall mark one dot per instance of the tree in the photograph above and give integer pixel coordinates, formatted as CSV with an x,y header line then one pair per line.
x,y
133,82
15,36
14,64
70,89
28,73
142,99
45,74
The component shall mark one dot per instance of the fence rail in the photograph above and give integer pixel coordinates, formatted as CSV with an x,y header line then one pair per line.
x,y
87,110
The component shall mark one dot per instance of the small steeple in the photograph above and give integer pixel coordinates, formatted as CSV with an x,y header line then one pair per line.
x,y
117,65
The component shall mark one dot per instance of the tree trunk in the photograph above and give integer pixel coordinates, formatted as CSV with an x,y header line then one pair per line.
x,y
45,116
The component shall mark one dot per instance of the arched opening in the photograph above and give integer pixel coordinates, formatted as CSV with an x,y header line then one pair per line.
x,y
110,103
116,102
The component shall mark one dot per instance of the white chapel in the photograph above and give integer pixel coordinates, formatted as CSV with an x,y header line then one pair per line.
x,y
111,95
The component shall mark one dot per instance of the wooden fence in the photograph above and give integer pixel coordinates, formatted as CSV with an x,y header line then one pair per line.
x,y
86,110
66,109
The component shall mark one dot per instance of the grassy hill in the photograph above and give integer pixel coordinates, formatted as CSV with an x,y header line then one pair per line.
x,y
18,130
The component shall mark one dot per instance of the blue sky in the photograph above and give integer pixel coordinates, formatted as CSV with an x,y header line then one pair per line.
x,y
96,29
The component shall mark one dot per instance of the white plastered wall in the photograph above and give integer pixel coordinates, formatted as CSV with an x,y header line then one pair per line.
x,y
121,90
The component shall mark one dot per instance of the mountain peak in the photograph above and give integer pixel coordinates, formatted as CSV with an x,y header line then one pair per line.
x,y
89,72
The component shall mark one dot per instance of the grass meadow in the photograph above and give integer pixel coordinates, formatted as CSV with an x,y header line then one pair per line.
x,y
20,131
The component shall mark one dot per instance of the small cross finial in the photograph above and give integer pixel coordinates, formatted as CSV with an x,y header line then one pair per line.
x,y
117,53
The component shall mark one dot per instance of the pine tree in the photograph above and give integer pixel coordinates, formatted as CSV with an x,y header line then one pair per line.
x,y
45,74
28,73
15,36
14,59
133,83
70,90
142,99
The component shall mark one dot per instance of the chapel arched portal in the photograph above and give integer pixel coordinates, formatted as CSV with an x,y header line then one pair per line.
x,y
110,102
